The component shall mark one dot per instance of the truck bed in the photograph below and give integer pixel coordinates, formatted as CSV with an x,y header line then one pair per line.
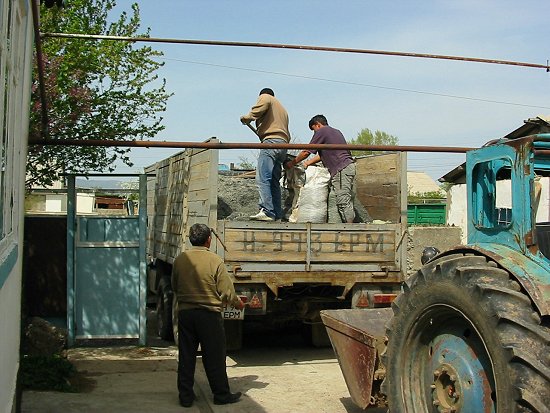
x,y
183,190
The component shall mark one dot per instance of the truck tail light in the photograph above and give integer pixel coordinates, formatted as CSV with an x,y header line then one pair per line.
x,y
255,301
381,299
363,301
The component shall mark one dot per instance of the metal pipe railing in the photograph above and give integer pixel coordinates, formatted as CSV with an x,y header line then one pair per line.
x,y
251,145
292,47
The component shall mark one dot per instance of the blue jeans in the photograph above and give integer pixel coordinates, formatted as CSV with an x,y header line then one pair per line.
x,y
268,175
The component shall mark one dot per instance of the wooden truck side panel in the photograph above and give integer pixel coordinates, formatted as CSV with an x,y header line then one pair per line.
x,y
182,191
382,186
310,246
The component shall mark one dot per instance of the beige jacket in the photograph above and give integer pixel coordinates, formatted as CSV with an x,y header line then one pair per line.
x,y
200,280
271,118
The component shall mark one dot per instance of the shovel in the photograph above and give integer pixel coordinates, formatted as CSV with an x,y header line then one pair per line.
x,y
253,129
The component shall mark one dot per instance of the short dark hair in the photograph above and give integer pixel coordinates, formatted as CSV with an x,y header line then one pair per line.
x,y
267,91
198,234
318,119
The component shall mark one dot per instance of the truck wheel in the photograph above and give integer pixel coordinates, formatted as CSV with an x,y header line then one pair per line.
x,y
164,310
465,338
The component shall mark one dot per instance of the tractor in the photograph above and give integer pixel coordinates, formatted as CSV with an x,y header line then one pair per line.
x,y
470,331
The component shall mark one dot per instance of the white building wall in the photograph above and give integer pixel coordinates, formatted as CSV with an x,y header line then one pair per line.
x,y
457,209
85,203
543,211
457,204
15,87
56,203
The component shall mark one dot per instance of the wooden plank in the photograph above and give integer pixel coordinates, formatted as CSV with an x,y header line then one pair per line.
x,y
198,208
336,237
199,174
198,195
326,246
271,256
379,186
200,155
286,256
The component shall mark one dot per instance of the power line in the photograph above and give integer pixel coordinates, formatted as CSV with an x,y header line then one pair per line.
x,y
500,102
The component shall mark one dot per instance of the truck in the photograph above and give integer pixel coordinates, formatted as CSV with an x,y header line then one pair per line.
x,y
286,271
471,330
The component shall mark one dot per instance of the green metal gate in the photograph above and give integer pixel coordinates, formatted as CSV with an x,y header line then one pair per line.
x,y
106,285
426,214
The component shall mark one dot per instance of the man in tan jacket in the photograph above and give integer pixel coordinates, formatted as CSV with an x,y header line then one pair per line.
x,y
202,285
272,127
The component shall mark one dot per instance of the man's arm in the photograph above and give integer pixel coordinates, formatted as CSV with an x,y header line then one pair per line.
x,y
312,161
299,158
261,106
225,288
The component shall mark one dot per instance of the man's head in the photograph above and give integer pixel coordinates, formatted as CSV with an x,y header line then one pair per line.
x,y
267,91
317,122
199,235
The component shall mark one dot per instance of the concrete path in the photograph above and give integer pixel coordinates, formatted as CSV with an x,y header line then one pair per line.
x,y
143,379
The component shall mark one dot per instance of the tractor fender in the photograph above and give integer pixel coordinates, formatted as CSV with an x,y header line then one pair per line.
x,y
532,272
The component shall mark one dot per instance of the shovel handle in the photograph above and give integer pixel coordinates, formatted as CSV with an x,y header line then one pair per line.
x,y
253,129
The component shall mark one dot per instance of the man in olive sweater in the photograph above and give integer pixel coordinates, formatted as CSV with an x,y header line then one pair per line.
x,y
272,127
202,285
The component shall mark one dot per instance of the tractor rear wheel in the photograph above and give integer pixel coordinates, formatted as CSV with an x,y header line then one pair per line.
x,y
465,338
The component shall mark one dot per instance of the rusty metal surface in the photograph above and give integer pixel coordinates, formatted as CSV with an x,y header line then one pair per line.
x,y
354,335
292,46
246,145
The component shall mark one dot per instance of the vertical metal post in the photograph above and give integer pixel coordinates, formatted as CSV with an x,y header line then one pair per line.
x,y
401,253
71,227
142,259
308,246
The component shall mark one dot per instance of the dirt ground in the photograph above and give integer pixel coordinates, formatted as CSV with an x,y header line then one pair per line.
x,y
276,372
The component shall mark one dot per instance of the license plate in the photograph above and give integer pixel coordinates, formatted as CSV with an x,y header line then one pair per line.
x,y
232,313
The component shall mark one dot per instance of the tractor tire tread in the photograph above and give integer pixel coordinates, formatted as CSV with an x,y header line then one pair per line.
x,y
523,337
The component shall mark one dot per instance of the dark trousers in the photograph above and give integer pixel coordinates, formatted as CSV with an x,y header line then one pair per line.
x,y
205,328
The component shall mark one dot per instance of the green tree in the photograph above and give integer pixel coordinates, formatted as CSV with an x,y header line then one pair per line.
x,y
366,137
245,163
96,89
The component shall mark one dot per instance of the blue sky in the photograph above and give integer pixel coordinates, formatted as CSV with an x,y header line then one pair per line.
x,y
214,85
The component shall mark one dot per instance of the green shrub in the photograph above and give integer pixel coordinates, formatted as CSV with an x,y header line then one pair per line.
x,y
46,373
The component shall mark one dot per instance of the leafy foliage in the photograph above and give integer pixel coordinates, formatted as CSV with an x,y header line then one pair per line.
x,y
96,89
46,373
366,137
426,197
245,163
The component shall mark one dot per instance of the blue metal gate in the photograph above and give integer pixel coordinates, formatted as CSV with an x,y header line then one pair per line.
x,y
106,284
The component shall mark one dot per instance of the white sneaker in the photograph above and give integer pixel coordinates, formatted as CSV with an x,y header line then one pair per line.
x,y
261,216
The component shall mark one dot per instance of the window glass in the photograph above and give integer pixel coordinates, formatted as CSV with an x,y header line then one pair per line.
x,y
492,194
